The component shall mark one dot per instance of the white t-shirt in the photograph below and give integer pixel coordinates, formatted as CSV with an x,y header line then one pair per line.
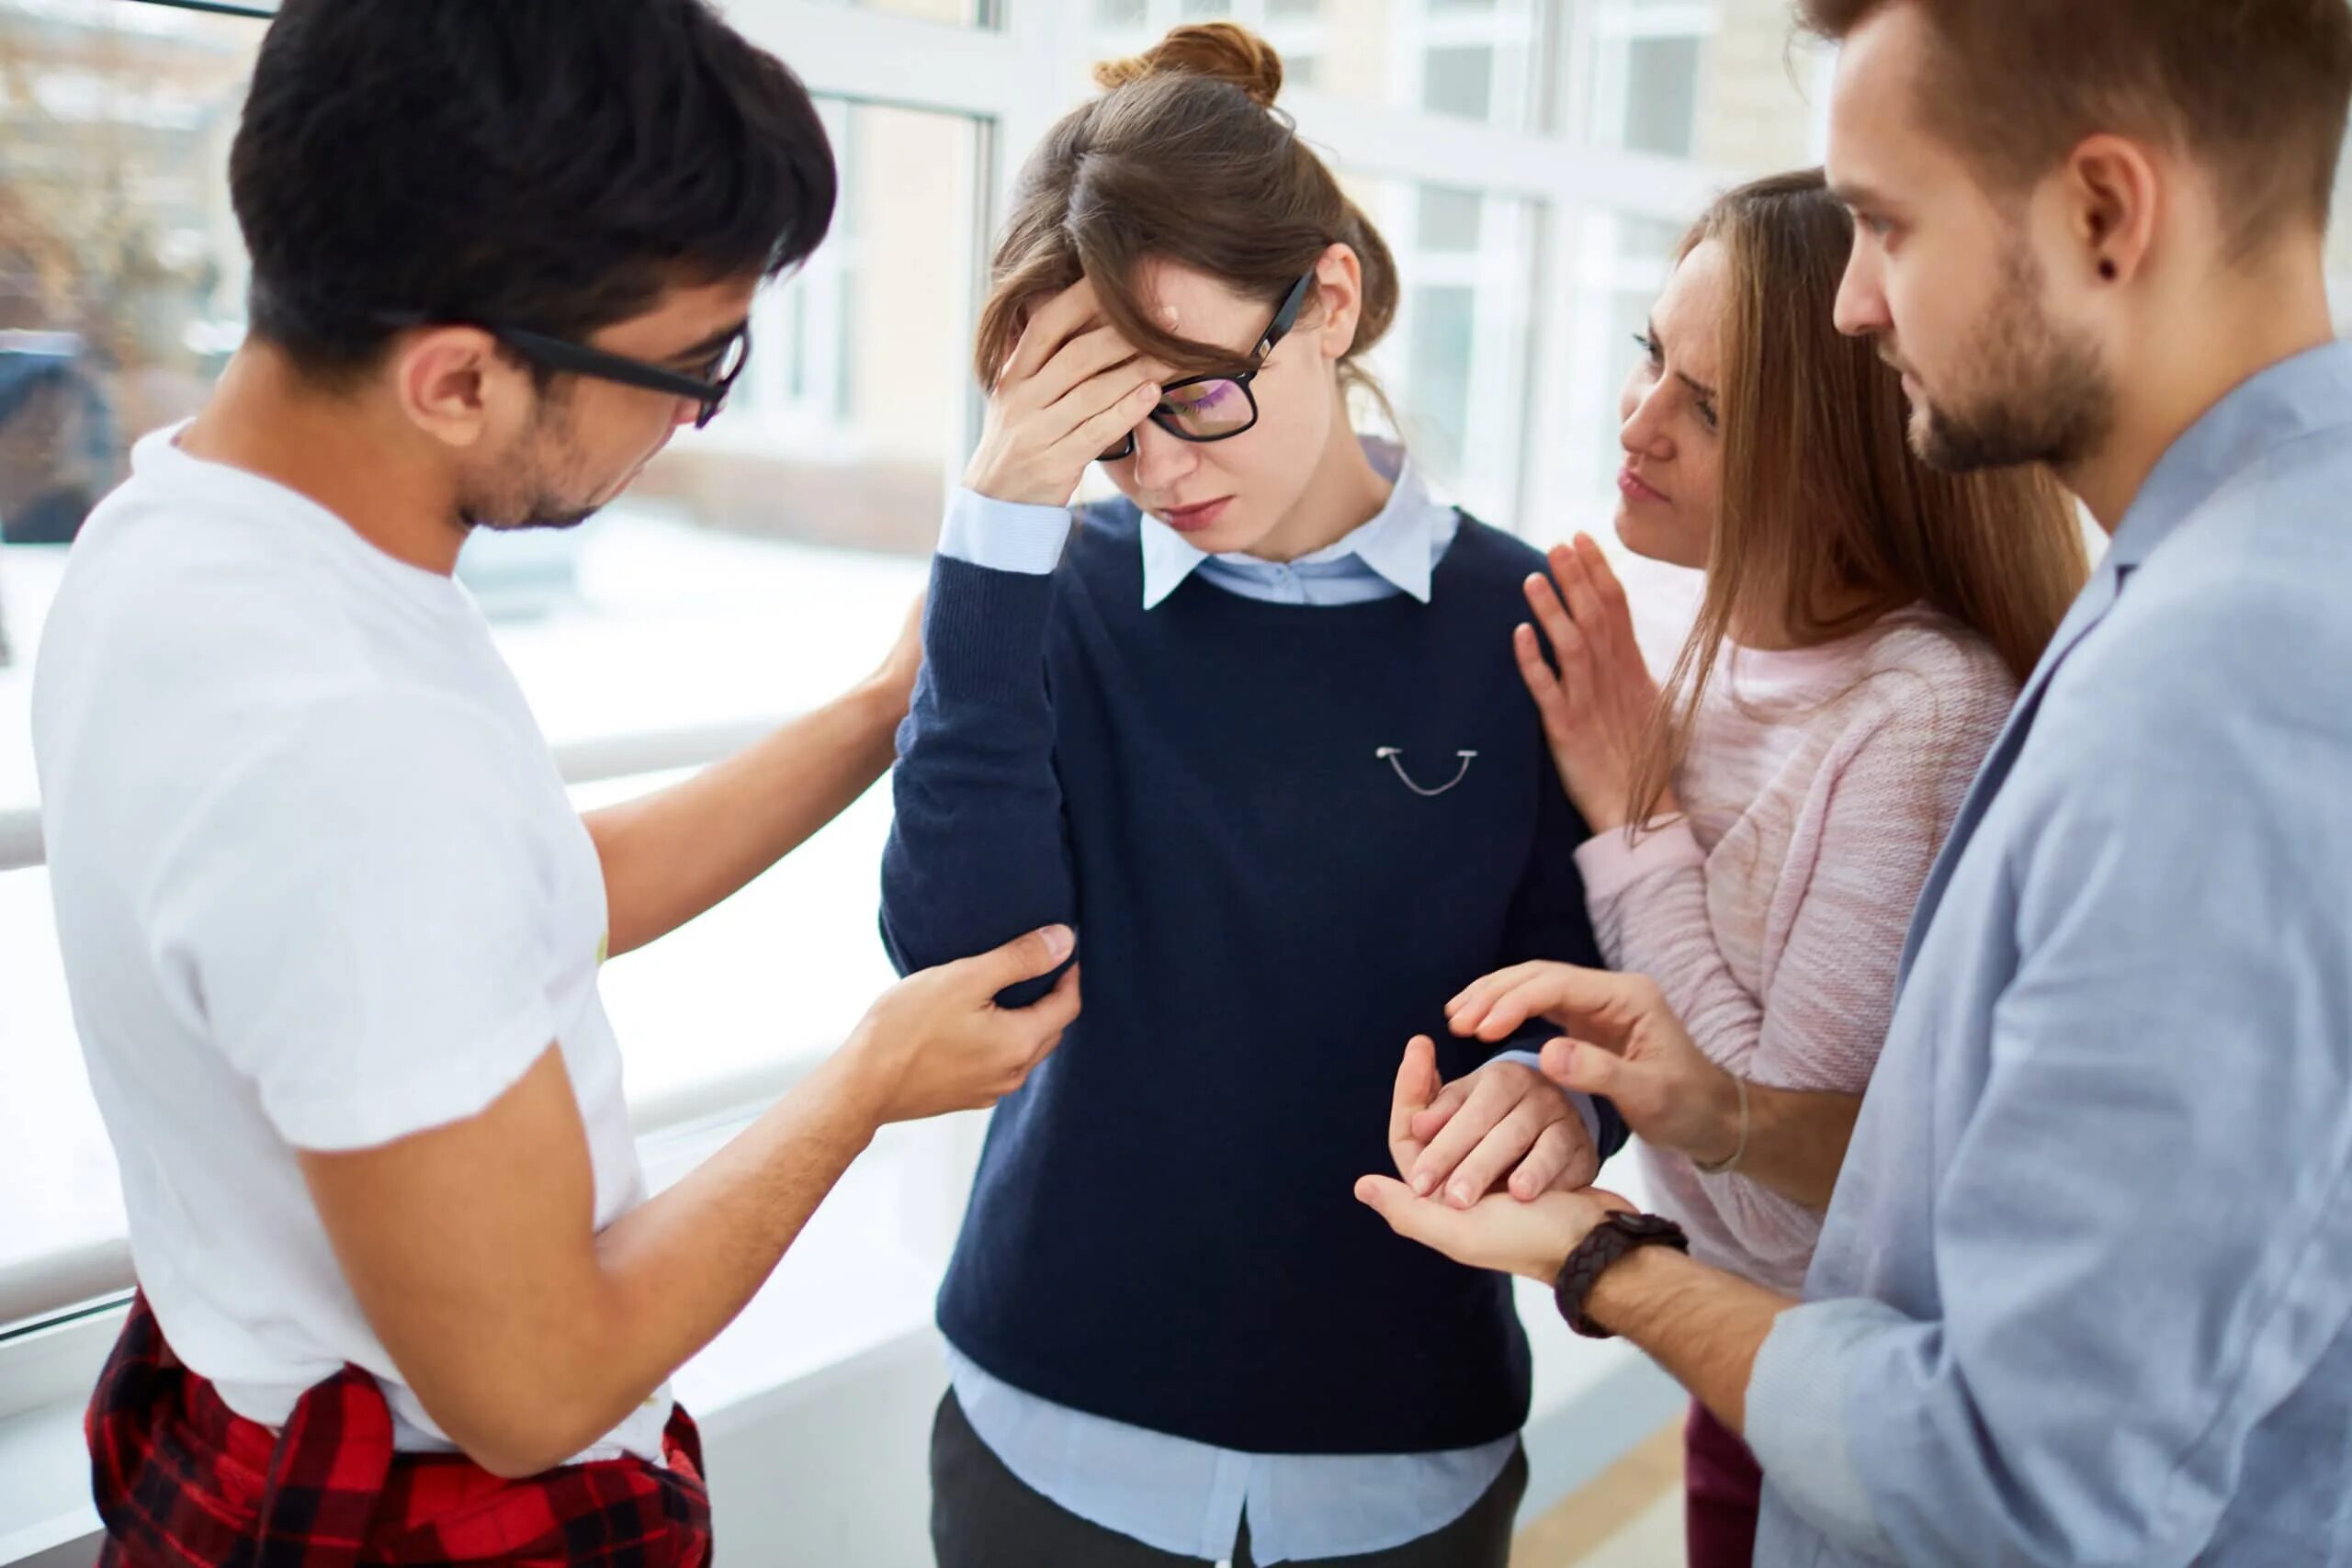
x,y
318,886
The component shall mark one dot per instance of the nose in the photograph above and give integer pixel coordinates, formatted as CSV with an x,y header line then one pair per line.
x,y
1161,461
1861,309
1644,406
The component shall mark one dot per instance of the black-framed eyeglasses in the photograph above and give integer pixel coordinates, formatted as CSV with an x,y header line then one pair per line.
x,y
1219,407
711,390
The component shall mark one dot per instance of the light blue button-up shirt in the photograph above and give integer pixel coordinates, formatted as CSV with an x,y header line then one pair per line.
x,y
2083,1295
1170,1493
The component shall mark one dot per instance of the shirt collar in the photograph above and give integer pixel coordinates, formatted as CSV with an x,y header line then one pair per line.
x,y
1397,543
2293,399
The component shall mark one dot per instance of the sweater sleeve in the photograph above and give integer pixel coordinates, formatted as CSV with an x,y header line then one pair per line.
x,y
1866,837
979,854
1549,920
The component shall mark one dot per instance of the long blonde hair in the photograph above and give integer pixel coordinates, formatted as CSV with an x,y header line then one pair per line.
x,y
1828,521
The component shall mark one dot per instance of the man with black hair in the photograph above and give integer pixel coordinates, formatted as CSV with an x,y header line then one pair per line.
x,y
331,925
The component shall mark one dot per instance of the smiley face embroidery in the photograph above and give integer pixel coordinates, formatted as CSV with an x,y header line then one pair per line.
x,y
1395,757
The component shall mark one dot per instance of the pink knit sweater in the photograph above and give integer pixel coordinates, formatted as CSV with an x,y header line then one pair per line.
x,y
1819,785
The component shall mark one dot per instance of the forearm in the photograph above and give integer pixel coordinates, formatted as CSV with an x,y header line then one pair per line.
x,y
675,854
1702,1326
670,1275
979,852
1796,1142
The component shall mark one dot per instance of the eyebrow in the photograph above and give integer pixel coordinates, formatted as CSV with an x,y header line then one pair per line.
x,y
1854,198
710,344
1701,387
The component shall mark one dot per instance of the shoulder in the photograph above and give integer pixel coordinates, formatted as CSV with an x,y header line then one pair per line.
x,y
1930,697
1486,553
1485,572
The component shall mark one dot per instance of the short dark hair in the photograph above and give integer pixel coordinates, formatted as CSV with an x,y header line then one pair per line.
x,y
2256,90
548,164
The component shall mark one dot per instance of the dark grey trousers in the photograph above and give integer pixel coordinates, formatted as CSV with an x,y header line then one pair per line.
x,y
982,1516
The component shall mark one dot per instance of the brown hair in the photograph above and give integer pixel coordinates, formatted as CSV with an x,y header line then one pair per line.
x,y
1828,521
1183,159
2257,90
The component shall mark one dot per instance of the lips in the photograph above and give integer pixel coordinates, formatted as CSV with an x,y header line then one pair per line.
x,y
1192,519
1631,485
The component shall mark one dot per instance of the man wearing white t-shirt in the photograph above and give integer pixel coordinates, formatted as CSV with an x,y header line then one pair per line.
x,y
330,924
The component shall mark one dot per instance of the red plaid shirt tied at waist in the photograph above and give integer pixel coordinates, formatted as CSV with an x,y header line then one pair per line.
x,y
182,1480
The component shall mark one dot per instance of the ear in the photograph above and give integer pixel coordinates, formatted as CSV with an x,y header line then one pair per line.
x,y
1338,284
454,383
2113,190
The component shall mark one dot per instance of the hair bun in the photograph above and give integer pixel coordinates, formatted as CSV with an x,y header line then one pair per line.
x,y
1221,51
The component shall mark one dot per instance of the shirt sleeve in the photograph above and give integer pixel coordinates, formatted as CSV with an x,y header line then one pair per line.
x,y
1003,535
1549,922
359,919
2143,1235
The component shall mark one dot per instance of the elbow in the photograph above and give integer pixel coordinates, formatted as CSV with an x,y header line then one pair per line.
x,y
519,1433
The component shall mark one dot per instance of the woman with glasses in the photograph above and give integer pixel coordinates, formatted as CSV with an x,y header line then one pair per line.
x,y
1253,729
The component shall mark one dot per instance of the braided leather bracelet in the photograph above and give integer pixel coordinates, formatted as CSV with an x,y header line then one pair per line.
x,y
1608,1241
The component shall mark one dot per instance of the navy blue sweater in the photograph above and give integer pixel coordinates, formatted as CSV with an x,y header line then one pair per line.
x,y
1214,793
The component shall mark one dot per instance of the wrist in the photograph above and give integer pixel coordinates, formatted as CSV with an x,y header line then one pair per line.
x,y
856,1086
1722,1140
1604,811
1615,1300
990,485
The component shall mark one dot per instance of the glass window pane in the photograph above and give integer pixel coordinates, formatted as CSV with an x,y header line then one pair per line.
x,y
1721,81
1468,59
1449,218
1458,82
1661,95
1455,363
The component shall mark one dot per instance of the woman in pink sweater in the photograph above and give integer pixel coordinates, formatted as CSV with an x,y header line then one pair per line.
x,y
1765,825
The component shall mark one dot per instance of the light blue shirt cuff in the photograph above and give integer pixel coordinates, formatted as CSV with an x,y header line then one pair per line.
x,y
1003,535
1797,1399
1583,1102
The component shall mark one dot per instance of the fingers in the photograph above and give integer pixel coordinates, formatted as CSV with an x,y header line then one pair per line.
x,y
1385,1197
1563,1157
1024,958
1616,609
1581,1068
1559,629
1100,432
1551,698
1058,1008
1431,1120
1092,360
1417,1082
1493,1098
1467,1010
1053,325
1510,1145
1407,1215
1504,1015
1576,590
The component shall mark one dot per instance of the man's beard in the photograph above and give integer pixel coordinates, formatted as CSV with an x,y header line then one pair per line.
x,y
535,499
545,514
2049,403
